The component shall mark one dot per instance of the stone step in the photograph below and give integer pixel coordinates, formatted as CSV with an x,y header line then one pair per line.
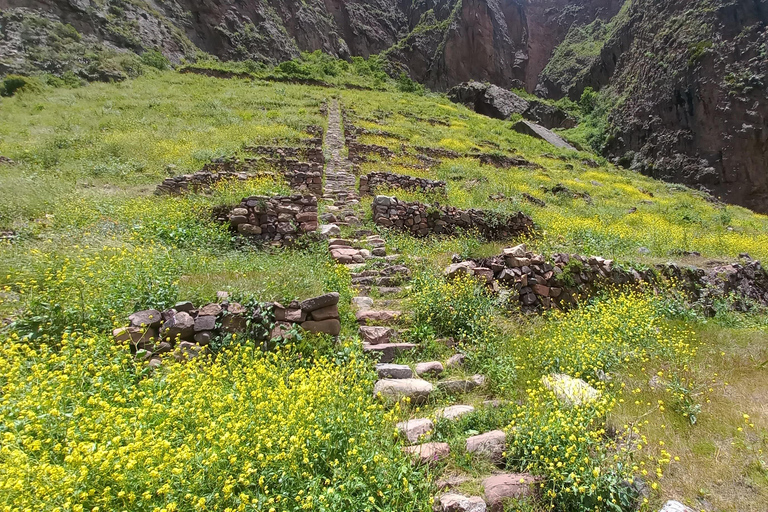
x,y
376,335
417,390
387,351
380,316
454,412
394,371
458,386
429,368
428,453
453,502
505,486
490,444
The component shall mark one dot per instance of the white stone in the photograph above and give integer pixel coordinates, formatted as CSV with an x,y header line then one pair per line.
x,y
570,391
454,411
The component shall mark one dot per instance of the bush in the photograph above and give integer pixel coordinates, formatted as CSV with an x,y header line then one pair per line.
x,y
155,59
405,84
13,83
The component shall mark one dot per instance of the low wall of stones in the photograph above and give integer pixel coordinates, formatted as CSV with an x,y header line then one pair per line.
x,y
280,219
422,219
371,181
563,280
186,331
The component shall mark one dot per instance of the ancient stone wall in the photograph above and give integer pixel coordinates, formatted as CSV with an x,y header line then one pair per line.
x,y
371,181
422,219
565,279
279,219
185,331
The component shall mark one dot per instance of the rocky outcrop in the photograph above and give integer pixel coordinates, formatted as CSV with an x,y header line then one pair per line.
x,y
539,132
499,103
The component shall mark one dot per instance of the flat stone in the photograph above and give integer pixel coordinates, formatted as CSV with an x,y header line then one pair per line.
x,y
491,444
539,132
417,390
454,411
428,453
456,269
452,502
394,371
329,229
416,430
185,306
146,318
451,482
570,391
211,309
377,316
518,251
507,486
328,299
331,326
325,313
375,335
456,386
387,351
433,368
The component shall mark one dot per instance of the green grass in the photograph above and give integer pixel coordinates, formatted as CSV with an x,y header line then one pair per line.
x,y
95,244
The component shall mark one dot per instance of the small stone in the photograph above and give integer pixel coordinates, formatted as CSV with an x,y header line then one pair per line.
x,y
518,251
416,429
328,299
185,306
146,318
211,309
455,361
396,389
205,323
491,444
454,412
394,371
331,326
428,453
499,488
433,368
459,503
675,506
379,251
387,351
375,335
187,351
362,303
203,338
180,326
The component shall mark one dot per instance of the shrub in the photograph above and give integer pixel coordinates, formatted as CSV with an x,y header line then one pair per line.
x,y
155,59
14,83
405,84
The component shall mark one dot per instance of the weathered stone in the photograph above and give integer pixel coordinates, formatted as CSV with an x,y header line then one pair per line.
x,y
136,337
325,313
459,503
375,335
331,326
483,273
211,309
234,323
539,132
377,316
362,303
180,326
185,306
433,368
417,390
417,429
570,391
203,338
491,444
518,251
455,361
455,386
387,351
499,488
328,299
294,315
394,371
454,411
456,269
205,323
428,453
146,318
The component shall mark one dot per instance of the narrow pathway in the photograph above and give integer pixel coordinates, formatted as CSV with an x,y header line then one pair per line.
x,y
340,182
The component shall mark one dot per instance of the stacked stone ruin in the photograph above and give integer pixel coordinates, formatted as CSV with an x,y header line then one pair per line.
x,y
301,166
279,219
372,181
422,219
540,283
185,332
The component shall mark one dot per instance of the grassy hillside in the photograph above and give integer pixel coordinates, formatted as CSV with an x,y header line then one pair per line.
x,y
86,427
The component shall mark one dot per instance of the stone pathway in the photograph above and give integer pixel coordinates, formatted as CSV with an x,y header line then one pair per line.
x,y
340,182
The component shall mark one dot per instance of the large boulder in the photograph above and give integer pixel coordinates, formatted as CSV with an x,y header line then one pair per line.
x,y
146,318
539,132
417,390
489,100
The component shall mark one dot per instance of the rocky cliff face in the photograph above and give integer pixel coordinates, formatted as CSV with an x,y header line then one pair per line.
x,y
687,78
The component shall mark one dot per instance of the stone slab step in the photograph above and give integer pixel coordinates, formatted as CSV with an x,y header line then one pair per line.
x,y
387,351
428,453
415,430
417,390
379,316
394,371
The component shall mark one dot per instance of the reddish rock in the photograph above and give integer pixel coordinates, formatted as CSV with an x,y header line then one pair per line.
x,y
328,299
506,486
416,429
331,326
433,368
375,335
377,316
211,309
491,444
146,318
459,503
325,313
428,453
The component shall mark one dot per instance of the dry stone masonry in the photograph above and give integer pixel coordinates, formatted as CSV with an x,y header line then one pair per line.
x,y
422,219
371,181
564,279
185,331
280,219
